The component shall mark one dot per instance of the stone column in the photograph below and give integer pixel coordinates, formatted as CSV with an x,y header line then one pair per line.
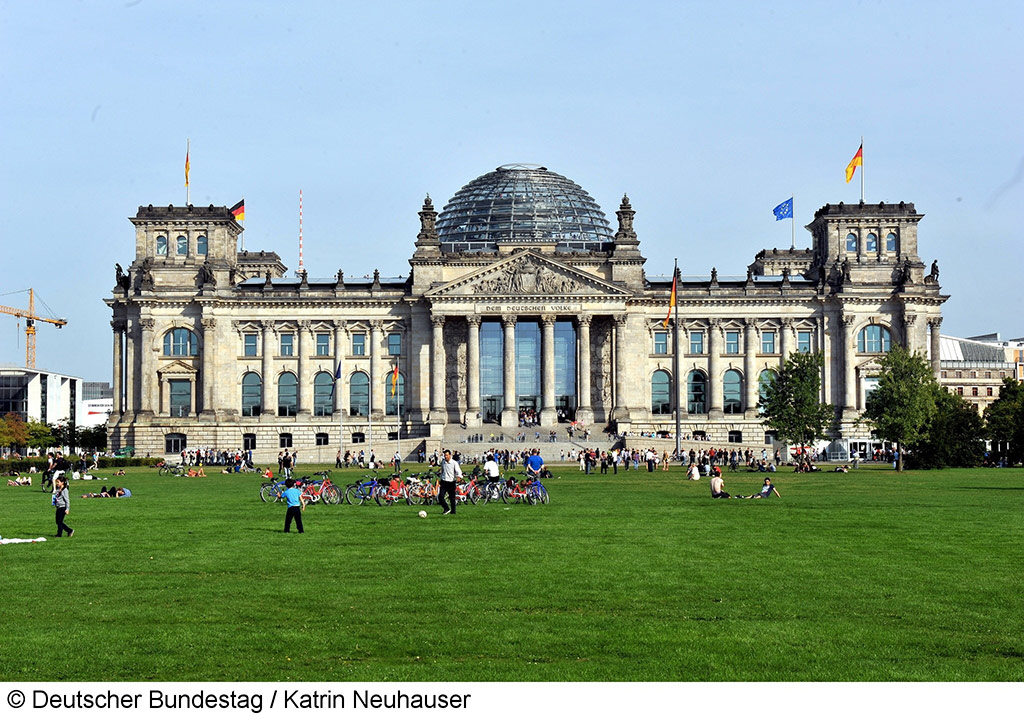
x,y
849,365
510,411
376,381
267,368
473,418
548,413
146,370
131,375
936,353
620,412
785,339
209,364
438,414
118,327
340,344
751,380
305,394
715,368
584,410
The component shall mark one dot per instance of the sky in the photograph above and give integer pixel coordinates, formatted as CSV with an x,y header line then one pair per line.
x,y
707,114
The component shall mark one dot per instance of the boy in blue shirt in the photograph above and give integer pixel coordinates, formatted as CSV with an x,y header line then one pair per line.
x,y
296,504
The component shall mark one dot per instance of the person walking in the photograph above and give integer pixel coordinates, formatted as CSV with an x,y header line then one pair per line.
x,y
62,503
451,472
296,504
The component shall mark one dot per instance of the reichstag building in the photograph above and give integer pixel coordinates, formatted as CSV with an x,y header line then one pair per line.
x,y
522,303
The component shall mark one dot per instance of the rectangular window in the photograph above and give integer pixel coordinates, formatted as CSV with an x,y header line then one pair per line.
x,y
394,344
284,440
174,443
287,344
358,343
181,397
732,342
322,439
697,342
250,344
768,342
249,441
660,342
803,342
323,344
735,436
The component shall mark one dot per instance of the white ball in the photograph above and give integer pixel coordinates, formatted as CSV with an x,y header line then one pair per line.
x,y
423,513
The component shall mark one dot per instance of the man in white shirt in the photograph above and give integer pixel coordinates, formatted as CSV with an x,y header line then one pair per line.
x,y
451,472
491,469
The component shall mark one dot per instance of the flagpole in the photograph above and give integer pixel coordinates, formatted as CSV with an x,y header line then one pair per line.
x,y
792,217
675,359
188,190
862,168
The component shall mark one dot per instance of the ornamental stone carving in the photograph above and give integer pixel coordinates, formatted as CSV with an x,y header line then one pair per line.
x,y
525,276
455,338
601,375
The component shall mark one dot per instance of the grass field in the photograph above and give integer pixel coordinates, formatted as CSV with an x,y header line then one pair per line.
x,y
866,576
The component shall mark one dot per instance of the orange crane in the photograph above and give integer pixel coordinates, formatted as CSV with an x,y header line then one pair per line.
x,y
30,325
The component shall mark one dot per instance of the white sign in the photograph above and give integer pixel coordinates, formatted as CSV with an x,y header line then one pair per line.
x,y
529,308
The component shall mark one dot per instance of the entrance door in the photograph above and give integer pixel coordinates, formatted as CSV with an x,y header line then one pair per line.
x,y
492,409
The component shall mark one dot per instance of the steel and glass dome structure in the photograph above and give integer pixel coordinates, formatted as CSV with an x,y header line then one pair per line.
x,y
522,204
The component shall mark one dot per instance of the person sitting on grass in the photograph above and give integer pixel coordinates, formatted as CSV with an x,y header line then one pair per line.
x,y
120,473
718,487
766,491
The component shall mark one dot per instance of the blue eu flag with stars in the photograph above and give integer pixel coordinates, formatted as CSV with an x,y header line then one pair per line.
x,y
784,210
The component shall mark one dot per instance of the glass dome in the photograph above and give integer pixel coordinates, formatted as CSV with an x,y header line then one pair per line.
x,y
522,204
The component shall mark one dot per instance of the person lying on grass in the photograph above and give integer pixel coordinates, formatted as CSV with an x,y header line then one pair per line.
x,y
103,493
20,481
766,491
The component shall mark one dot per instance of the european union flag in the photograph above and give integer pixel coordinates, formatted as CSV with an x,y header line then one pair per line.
x,y
784,210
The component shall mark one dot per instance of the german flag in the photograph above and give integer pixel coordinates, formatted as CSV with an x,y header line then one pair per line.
x,y
394,380
858,161
238,210
672,301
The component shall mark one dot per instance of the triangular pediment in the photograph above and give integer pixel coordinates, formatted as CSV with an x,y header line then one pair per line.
x,y
528,274
870,367
177,368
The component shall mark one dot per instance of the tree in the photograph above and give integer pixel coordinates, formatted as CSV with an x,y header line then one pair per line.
x,y
791,404
1004,419
39,435
93,438
13,431
953,435
902,404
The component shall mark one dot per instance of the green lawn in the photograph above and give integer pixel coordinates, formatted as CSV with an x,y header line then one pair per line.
x,y
866,576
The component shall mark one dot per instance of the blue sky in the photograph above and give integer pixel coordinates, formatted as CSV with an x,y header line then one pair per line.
x,y
707,115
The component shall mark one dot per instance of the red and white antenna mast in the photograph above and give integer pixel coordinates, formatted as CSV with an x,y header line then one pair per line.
x,y
301,266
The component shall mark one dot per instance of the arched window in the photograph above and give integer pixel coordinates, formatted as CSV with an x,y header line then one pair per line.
x,y
287,395
732,392
252,395
872,244
394,404
182,245
161,244
890,242
181,342
359,394
202,245
765,380
851,243
696,393
323,394
661,393
874,339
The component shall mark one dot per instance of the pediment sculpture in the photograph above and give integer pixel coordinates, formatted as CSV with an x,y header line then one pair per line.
x,y
526,277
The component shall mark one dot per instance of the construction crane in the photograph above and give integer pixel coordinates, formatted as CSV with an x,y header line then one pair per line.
x,y
30,325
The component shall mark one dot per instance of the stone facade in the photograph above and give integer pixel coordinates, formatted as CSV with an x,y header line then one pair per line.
x,y
191,332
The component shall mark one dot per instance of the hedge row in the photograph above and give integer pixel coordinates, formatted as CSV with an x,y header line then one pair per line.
x,y
23,464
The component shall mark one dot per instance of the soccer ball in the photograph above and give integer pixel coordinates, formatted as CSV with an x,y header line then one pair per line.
x,y
423,513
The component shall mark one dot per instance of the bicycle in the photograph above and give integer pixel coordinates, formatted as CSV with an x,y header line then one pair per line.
x,y
359,493
172,470
513,493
